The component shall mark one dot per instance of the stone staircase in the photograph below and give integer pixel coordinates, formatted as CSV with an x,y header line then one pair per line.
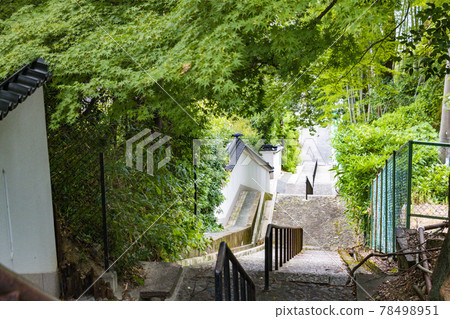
x,y
295,184
317,273
307,276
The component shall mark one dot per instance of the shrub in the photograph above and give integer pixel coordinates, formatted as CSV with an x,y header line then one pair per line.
x,y
361,150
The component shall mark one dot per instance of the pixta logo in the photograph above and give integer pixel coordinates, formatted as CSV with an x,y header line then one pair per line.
x,y
147,142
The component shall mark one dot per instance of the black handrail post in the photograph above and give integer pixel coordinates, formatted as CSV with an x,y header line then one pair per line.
x,y
291,242
243,290
105,221
280,249
235,283
295,242
218,286
288,243
266,262
226,278
276,248
240,278
270,250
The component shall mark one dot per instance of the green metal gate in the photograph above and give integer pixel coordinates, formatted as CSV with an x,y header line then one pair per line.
x,y
397,198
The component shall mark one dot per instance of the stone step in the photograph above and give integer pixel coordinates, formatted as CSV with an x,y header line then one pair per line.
x,y
312,275
160,280
310,266
321,217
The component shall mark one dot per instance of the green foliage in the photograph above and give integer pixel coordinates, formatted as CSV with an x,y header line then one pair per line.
x,y
160,209
149,217
206,69
430,41
278,126
196,50
361,150
430,176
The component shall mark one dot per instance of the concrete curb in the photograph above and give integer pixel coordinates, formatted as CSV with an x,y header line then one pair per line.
x,y
213,256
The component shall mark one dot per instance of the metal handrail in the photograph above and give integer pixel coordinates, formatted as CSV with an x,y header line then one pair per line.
x,y
309,185
315,172
241,287
288,243
14,287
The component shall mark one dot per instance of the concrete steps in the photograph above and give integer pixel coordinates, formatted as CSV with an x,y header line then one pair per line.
x,y
295,184
310,266
307,276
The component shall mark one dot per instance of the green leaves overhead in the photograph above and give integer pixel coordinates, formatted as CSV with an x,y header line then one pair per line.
x,y
221,52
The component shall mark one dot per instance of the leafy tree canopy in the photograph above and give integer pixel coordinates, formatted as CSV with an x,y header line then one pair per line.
x,y
143,58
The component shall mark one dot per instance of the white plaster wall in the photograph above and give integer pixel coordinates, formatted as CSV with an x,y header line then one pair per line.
x,y
246,174
24,157
274,159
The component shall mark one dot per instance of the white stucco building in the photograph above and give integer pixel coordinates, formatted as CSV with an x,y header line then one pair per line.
x,y
249,172
27,237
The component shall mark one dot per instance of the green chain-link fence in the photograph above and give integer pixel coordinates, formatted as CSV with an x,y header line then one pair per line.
x,y
411,190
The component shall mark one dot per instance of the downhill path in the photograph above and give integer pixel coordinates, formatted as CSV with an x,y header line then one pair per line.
x,y
317,273
314,147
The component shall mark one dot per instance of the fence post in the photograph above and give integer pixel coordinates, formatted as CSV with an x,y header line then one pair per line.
x,y
448,198
386,215
105,225
408,199
375,216
195,190
371,216
393,201
381,210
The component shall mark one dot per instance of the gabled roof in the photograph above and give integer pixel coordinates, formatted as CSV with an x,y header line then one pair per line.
x,y
15,89
235,150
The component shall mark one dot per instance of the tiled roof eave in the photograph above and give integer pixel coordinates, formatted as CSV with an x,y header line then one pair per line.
x,y
16,88
235,149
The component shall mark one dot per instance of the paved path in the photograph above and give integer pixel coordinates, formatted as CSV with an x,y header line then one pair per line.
x,y
317,273
285,285
314,147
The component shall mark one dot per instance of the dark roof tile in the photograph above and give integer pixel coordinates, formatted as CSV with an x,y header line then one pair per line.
x,y
235,149
15,89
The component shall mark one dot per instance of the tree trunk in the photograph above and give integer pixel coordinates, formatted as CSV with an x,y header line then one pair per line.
x,y
441,272
444,133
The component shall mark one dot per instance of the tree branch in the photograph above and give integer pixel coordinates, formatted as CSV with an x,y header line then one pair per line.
x,y
327,9
386,255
